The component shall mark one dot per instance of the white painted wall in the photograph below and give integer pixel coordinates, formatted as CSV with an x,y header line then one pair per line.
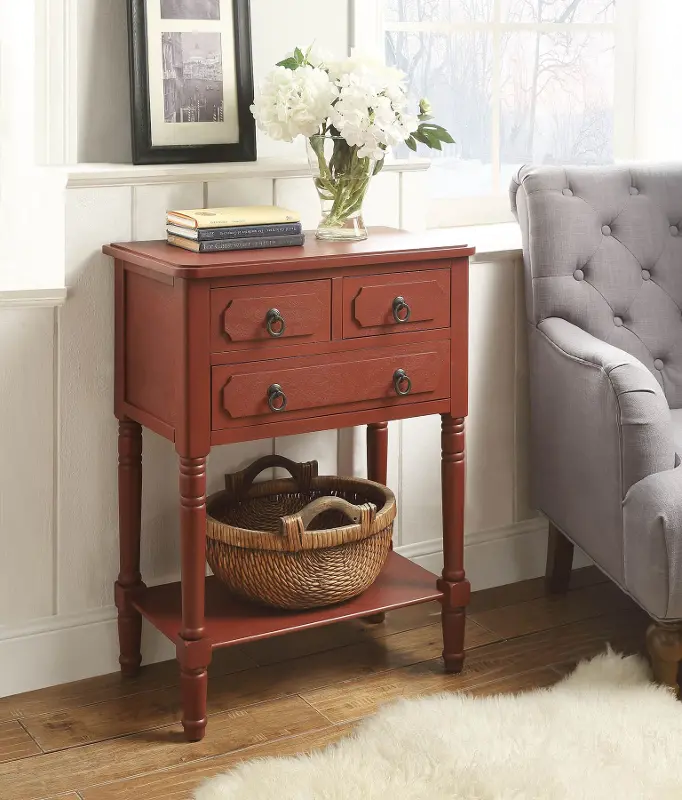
x,y
659,66
103,80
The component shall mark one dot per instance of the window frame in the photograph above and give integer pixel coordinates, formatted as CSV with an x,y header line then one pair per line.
x,y
368,32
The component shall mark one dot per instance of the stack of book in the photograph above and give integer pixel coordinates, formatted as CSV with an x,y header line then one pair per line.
x,y
210,230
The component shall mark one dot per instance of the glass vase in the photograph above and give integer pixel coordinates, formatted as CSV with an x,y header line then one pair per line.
x,y
341,179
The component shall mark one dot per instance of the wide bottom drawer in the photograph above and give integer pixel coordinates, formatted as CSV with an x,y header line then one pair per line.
x,y
294,388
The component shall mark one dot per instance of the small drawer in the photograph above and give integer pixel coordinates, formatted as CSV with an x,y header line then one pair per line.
x,y
294,388
411,301
290,313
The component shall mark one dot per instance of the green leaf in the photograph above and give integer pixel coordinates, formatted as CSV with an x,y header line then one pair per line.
x,y
424,117
421,136
298,55
289,63
437,132
379,166
411,143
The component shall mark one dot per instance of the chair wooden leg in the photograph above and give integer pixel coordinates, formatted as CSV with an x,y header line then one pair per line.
x,y
559,562
664,643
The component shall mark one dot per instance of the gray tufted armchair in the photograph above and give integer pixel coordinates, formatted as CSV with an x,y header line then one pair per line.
x,y
603,262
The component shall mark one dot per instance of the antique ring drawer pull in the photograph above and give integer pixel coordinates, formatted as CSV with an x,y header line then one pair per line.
x,y
401,383
275,324
277,400
401,310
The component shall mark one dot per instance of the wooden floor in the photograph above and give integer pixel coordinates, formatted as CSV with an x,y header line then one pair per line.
x,y
113,739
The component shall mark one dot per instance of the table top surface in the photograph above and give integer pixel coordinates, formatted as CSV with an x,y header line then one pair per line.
x,y
383,245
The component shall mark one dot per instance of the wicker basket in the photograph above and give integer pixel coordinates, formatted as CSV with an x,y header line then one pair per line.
x,y
287,543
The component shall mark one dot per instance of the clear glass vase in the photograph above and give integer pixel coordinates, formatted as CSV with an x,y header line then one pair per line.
x,y
341,179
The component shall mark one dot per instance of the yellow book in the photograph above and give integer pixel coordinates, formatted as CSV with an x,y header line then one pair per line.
x,y
232,216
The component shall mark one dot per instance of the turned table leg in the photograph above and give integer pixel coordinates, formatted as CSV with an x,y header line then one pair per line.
x,y
129,583
377,452
377,470
194,651
453,584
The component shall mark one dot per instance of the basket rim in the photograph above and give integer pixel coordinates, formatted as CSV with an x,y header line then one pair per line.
x,y
250,539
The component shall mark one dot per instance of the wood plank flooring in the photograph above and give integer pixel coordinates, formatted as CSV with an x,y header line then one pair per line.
x,y
112,739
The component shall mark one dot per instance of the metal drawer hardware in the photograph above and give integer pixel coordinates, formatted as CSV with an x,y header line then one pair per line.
x,y
400,306
273,319
276,394
401,383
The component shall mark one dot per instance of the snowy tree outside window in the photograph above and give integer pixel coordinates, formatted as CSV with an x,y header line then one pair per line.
x,y
515,82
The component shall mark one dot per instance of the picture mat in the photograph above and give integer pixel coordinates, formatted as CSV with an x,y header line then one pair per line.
x,y
175,134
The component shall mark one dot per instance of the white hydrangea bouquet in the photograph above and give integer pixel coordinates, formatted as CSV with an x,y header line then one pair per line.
x,y
351,112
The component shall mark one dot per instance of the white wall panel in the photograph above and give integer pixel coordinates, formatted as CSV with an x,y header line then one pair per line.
x,y
26,464
299,194
103,82
382,205
321,446
150,204
413,205
490,425
420,489
240,192
87,523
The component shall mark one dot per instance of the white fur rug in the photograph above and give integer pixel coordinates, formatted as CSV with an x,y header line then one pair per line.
x,y
603,732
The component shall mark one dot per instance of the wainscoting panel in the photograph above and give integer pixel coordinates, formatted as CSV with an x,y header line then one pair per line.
x,y
491,421
87,515
240,192
26,464
150,204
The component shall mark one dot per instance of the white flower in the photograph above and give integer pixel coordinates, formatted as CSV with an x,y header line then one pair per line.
x,y
294,102
371,110
365,101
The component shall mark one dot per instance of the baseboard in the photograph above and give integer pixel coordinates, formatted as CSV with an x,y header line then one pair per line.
x,y
70,648
73,647
497,557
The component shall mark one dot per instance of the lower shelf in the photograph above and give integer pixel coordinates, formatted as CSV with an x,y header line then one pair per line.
x,y
230,620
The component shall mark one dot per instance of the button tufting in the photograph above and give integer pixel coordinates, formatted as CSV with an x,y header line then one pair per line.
x,y
646,275
634,190
618,322
658,364
674,230
567,192
579,275
606,230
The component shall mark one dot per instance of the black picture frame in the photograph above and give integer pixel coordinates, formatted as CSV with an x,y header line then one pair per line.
x,y
143,150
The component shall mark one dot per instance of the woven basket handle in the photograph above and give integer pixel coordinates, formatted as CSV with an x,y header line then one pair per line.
x,y
241,482
295,526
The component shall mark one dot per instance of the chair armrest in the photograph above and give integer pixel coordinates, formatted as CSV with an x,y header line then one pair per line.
x,y
622,392
599,424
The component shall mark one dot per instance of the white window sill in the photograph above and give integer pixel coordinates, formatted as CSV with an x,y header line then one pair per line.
x,y
499,241
96,175
33,298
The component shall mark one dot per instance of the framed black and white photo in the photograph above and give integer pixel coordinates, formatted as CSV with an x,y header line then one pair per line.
x,y
191,81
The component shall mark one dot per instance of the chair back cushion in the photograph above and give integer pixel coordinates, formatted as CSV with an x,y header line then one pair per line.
x,y
603,250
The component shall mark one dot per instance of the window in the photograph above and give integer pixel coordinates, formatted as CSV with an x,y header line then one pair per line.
x,y
515,82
